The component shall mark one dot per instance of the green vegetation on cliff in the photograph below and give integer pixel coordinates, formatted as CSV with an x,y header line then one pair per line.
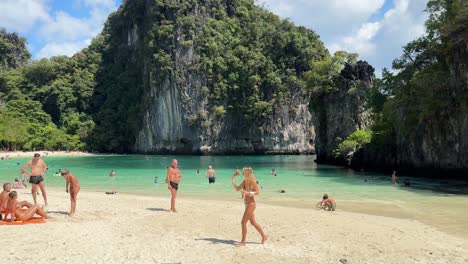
x,y
246,59
46,101
419,89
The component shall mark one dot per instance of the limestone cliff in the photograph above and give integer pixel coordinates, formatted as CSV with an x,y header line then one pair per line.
x,y
13,51
341,112
208,77
439,145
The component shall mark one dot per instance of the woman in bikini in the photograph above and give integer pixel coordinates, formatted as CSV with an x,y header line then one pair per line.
x,y
14,209
249,189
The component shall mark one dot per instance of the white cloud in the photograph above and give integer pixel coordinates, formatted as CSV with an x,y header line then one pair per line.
x,y
361,42
327,17
66,35
57,33
64,27
22,15
399,25
63,48
347,25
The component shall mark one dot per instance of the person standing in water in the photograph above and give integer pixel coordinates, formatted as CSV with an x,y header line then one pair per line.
x,y
112,174
211,175
394,178
36,177
236,172
173,179
71,181
23,180
249,188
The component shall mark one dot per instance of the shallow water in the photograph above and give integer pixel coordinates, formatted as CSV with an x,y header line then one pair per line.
x,y
443,204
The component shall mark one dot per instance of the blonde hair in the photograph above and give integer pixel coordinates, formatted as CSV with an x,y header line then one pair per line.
x,y
249,179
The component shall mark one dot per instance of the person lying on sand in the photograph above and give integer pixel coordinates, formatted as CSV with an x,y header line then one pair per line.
x,y
327,204
14,209
71,181
249,188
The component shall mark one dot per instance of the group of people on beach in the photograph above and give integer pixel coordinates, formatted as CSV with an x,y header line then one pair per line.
x,y
12,209
24,211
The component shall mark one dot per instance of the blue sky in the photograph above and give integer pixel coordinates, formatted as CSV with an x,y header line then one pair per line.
x,y
376,29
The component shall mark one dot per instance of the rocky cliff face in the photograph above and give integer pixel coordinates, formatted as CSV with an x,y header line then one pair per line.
x,y
13,51
442,142
180,114
340,113
439,146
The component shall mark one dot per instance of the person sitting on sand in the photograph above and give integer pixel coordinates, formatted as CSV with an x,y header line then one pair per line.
x,y
71,181
173,180
211,175
249,188
4,198
328,204
16,184
14,209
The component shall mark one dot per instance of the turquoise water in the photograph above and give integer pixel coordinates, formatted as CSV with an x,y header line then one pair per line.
x,y
298,175
304,181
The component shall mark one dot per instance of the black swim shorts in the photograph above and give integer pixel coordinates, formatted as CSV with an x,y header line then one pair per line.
x,y
211,180
35,179
174,185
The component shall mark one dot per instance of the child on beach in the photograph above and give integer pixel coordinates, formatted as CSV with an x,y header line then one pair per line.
x,y
71,181
328,204
16,184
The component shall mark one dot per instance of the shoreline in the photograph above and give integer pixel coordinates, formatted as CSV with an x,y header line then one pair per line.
x,y
363,207
45,153
121,228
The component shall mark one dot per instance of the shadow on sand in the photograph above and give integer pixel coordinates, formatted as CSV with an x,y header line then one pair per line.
x,y
157,209
58,212
223,241
218,241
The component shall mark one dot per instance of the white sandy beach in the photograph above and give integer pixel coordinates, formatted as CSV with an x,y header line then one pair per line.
x,y
44,153
125,228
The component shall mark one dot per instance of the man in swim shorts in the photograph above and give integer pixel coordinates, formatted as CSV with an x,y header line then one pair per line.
x,y
173,179
211,175
36,176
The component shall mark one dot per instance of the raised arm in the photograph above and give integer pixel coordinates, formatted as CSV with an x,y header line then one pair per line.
x,y
237,188
23,169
